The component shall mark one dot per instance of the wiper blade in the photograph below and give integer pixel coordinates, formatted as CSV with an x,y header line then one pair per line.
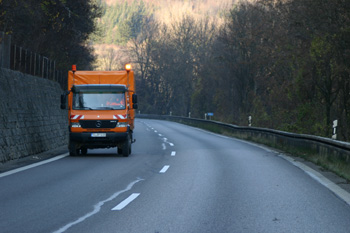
x,y
106,108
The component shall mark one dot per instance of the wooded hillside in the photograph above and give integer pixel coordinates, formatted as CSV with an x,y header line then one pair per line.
x,y
285,63
123,20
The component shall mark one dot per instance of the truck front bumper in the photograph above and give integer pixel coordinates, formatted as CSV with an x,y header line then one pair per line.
x,y
98,140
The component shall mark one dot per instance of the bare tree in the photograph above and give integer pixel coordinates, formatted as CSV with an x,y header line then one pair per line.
x,y
109,60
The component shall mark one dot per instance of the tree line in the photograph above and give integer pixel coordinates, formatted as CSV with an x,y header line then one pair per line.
x,y
58,29
285,63
122,21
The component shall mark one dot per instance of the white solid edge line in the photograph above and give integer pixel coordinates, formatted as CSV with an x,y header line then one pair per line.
x,y
164,169
341,193
33,165
126,202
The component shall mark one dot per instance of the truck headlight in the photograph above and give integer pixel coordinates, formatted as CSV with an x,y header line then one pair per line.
x,y
75,125
122,124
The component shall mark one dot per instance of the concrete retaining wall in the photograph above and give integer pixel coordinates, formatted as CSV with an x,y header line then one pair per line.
x,y
31,120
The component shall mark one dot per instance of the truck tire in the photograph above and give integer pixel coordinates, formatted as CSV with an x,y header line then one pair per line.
x,y
83,151
120,151
127,147
73,151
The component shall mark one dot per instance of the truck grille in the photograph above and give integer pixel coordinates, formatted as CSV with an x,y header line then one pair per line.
x,y
96,124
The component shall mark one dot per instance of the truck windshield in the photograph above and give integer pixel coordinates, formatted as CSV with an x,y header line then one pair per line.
x,y
98,101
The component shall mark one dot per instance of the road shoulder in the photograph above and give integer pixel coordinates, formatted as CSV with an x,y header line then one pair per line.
x,y
334,183
21,162
338,185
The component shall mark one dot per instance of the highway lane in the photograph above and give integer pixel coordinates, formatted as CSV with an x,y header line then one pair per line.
x,y
178,179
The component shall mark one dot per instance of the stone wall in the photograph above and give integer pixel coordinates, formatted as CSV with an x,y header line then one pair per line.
x,y
31,120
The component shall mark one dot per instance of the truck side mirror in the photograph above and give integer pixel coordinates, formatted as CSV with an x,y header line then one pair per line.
x,y
134,98
63,101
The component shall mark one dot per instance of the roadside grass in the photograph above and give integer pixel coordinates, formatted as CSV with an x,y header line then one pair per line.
x,y
336,165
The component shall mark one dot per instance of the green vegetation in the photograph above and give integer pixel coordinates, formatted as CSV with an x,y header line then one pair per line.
x,y
57,29
285,63
123,21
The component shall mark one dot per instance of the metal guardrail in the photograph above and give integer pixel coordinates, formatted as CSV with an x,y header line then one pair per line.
x,y
20,59
279,139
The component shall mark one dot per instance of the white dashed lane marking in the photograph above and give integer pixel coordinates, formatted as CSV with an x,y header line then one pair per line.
x,y
164,169
126,202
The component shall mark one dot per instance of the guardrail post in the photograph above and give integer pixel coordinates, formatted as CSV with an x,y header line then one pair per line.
x,y
20,63
1,48
30,63
26,61
53,71
5,50
34,64
15,57
39,65
43,68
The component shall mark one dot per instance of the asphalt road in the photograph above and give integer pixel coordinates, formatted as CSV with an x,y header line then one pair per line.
x,y
177,179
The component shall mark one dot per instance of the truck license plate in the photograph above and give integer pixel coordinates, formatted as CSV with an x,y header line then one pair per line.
x,y
98,135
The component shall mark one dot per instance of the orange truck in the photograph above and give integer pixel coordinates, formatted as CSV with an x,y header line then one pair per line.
x,y
101,110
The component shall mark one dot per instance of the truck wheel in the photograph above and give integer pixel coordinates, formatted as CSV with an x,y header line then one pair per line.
x,y
83,151
73,151
120,151
127,147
